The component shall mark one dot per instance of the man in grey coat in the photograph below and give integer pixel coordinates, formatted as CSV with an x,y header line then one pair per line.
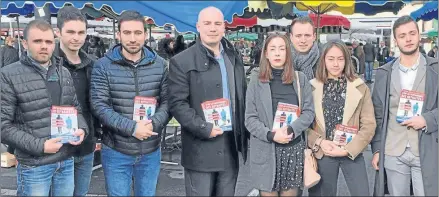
x,y
406,150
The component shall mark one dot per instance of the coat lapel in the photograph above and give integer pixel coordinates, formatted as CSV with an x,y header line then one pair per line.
x,y
396,82
431,90
420,74
318,96
353,97
265,95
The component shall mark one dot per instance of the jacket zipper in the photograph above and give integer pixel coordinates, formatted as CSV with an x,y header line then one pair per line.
x,y
45,83
136,81
60,85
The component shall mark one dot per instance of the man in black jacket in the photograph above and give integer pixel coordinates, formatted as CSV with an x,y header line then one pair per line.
x,y
31,89
130,75
207,71
383,53
72,26
369,52
8,54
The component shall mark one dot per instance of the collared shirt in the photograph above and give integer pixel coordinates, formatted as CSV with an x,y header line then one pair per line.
x,y
407,75
222,63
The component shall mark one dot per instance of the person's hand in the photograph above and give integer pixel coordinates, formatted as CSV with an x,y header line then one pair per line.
x,y
144,130
327,146
216,131
150,130
281,135
416,122
81,135
52,145
375,161
337,152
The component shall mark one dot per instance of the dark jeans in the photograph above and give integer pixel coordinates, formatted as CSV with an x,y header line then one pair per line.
x,y
368,71
83,171
354,172
55,179
120,170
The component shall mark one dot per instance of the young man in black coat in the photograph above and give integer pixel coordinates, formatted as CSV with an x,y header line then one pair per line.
x,y
72,31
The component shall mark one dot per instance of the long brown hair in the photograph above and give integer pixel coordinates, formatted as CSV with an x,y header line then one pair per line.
x,y
348,71
265,74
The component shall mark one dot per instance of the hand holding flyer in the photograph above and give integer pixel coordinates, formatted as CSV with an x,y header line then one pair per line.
x,y
144,107
410,105
285,115
64,122
79,133
217,112
344,134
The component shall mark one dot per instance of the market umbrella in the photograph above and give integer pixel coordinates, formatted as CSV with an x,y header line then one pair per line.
x,y
246,36
427,12
431,34
242,22
321,7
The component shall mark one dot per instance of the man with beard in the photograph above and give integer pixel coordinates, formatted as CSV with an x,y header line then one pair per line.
x,y
30,88
207,71
72,29
130,71
305,50
402,150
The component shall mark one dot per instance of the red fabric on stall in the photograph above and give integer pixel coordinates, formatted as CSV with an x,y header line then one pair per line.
x,y
331,20
243,22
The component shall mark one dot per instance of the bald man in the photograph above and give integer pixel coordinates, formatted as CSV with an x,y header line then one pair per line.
x,y
207,71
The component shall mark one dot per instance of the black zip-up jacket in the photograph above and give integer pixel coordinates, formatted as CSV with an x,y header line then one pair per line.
x,y
115,82
8,55
25,110
81,75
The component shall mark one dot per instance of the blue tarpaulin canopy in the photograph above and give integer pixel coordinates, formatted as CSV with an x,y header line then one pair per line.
x,y
373,7
426,12
25,10
182,14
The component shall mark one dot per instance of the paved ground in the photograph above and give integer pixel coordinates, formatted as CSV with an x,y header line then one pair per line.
x,y
171,181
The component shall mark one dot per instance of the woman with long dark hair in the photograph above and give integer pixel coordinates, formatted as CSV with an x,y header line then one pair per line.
x,y
279,108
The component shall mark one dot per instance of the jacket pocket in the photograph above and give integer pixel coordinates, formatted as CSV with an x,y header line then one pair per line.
x,y
259,151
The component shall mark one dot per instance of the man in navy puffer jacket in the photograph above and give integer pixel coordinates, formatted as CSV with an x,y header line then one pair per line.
x,y
129,76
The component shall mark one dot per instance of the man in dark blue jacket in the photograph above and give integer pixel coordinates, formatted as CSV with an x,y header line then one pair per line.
x,y
130,75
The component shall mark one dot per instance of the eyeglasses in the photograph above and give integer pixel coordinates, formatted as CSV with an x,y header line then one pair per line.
x,y
279,33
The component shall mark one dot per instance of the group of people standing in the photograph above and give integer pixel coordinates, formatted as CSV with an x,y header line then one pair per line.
x,y
292,70
403,153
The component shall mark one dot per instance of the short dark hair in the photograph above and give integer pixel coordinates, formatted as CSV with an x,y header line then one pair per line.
x,y
302,20
131,15
69,13
39,24
402,21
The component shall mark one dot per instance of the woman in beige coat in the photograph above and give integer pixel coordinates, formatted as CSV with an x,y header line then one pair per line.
x,y
342,102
